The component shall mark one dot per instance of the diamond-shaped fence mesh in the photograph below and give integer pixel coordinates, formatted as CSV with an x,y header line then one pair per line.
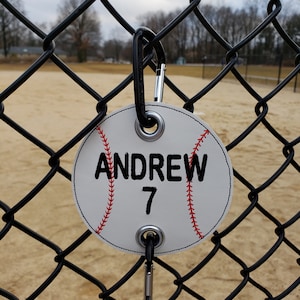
x,y
45,250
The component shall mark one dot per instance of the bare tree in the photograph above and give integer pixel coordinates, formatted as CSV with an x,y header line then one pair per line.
x,y
83,35
179,36
113,49
157,21
10,28
193,41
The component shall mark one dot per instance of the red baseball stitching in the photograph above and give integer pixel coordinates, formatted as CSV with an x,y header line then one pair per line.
x,y
111,180
190,187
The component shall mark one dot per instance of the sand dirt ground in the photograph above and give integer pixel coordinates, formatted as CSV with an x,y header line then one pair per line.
x,y
53,108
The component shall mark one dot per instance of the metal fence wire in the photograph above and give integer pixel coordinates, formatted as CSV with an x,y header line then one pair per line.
x,y
220,264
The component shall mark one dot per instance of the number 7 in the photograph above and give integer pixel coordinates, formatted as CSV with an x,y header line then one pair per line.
x,y
149,203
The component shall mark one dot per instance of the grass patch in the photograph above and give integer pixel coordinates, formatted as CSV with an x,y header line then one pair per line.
x,y
254,73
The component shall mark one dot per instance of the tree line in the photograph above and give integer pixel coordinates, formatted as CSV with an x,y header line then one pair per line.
x,y
189,42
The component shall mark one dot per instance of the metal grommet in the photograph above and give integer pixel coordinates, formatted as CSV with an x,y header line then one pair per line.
x,y
142,233
153,133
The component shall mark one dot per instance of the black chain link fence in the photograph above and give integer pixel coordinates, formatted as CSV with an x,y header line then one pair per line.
x,y
222,264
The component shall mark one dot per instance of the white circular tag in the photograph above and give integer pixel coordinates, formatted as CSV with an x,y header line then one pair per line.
x,y
175,181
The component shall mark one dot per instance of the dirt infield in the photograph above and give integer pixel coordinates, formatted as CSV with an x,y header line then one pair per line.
x,y
53,108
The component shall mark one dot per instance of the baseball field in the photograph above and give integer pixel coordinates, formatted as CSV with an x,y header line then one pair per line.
x,y
54,109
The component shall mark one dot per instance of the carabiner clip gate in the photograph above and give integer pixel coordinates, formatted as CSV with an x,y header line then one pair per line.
x,y
141,57
159,83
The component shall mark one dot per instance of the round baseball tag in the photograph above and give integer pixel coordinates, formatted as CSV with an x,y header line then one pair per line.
x,y
174,180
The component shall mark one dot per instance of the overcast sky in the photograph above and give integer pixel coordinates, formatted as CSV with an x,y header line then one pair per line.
x,y
40,11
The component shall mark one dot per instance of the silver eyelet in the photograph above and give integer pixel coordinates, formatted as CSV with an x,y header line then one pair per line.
x,y
153,133
142,233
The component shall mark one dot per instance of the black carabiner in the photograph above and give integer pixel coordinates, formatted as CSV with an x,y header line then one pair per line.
x,y
142,54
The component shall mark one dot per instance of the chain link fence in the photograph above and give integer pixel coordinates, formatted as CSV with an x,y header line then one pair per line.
x,y
236,263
